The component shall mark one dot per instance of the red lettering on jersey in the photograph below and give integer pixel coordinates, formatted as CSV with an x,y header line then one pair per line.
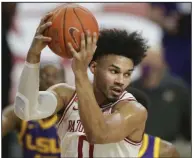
x,y
79,128
71,126
75,126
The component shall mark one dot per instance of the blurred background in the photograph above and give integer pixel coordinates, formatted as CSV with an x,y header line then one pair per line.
x,y
164,75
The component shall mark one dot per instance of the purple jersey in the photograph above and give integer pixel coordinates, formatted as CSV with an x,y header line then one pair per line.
x,y
150,147
39,139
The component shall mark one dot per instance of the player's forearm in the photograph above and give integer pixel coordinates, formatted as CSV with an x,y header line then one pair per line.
x,y
90,113
32,58
28,88
31,104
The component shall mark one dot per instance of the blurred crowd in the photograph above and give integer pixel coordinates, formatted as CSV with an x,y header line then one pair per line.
x,y
164,75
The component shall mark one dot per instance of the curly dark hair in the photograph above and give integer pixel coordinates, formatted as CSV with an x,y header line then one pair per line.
x,y
120,42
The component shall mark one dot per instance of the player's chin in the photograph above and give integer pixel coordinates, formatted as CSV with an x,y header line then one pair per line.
x,y
113,98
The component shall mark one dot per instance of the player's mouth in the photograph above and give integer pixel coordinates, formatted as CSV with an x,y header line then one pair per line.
x,y
117,91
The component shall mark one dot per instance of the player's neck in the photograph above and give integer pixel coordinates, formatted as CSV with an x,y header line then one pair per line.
x,y
100,98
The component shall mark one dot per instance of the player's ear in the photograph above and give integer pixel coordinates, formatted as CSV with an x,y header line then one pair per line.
x,y
92,66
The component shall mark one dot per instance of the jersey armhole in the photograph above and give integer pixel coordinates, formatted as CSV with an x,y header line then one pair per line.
x,y
63,111
144,146
157,147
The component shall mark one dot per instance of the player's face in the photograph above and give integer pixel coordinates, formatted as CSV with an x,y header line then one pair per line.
x,y
112,75
50,75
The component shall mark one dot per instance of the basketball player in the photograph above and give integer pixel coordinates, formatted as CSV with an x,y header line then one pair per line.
x,y
153,147
38,138
99,119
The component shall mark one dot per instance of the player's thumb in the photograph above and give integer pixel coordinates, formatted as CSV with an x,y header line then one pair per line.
x,y
95,48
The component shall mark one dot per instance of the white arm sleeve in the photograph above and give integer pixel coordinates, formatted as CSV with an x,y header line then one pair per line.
x,y
30,104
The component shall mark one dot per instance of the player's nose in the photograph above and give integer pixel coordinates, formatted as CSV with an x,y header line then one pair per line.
x,y
119,80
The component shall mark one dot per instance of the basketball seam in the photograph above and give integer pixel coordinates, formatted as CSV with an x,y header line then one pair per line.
x,y
78,19
91,14
84,10
65,31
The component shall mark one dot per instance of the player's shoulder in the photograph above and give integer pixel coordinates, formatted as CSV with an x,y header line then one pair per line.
x,y
62,86
165,145
127,102
167,149
125,97
62,89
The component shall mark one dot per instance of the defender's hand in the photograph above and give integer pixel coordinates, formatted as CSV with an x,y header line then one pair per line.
x,y
39,42
82,59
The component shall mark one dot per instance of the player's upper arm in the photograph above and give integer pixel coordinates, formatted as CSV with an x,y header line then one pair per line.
x,y
63,92
168,150
9,120
127,117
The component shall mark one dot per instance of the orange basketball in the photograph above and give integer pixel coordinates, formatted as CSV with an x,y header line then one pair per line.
x,y
68,22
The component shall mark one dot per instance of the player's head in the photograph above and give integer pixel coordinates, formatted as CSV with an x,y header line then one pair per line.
x,y
117,53
50,74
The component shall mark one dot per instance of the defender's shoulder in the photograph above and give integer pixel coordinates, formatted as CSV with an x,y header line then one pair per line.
x,y
167,149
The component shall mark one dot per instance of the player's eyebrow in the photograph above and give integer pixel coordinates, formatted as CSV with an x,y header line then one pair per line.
x,y
115,66
119,67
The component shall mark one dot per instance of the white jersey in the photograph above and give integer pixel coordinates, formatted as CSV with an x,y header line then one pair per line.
x,y
74,142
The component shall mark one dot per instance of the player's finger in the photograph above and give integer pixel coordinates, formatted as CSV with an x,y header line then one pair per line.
x,y
43,38
83,45
46,39
94,48
94,41
46,18
89,41
43,27
72,50
94,38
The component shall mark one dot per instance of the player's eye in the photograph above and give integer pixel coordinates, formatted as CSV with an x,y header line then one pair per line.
x,y
113,71
127,74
